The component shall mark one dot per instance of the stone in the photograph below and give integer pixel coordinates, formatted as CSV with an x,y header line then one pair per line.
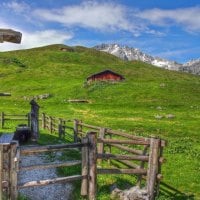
x,y
134,193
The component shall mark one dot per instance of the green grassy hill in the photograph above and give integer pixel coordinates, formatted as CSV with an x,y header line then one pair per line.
x,y
131,105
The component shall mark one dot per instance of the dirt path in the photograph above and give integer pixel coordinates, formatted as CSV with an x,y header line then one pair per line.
x,y
49,192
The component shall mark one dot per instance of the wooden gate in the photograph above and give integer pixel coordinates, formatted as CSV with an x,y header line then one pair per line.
x,y
10,153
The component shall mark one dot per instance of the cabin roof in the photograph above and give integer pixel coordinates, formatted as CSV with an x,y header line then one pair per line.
x,y
105,72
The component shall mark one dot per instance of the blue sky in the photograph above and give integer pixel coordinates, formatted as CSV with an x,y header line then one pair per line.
x,y
165,28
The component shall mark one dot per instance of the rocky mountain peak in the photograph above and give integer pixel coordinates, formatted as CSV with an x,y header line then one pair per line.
x,y
129,54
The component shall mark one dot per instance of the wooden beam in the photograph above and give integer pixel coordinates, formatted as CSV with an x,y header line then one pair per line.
x,y
51,181
123,157
92,139
48,148
84,183
122,171
111,141
125,148
153,167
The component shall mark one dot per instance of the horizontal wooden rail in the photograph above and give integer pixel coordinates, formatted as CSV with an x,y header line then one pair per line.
x,y
54,165
112,141
89,126
123,157
126,135
69,127
16,115
15,119
47,148
129,163
122,171
51,181
134,151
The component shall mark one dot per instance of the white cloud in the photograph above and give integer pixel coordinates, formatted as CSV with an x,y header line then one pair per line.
x,y
188,18
17,7
91,14
36,39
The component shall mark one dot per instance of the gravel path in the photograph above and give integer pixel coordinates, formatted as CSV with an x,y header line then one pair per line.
x,y
49,192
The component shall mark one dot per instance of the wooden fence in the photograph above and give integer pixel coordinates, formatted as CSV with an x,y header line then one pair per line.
x,y
141,156
62,127
145,160
91,146
14,117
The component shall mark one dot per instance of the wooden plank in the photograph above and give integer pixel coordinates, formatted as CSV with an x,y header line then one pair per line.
x,y
48,148
111,141
75,130
89,126
43,121
13,171
92,139
123,157
53,165
131,150
84,183
153,167
2,120
1,171
126,135
101,145
139,181
51,181
122,171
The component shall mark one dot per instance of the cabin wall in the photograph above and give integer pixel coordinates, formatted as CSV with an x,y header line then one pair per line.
x,y
105,77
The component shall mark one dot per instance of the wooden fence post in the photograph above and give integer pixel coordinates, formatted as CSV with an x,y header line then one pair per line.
x,y
139,179
43,121
1,171
153,167
50,124
75,130
60,128
13,171
2,119
84,184
92,140
101,145
29,119
34,120
110,149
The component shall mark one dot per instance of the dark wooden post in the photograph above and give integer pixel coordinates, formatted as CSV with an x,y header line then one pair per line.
x,y
1,171
109,149
92,140
2,119
51,124
29,119
84,184
153,167
75,130
43,121
34,120
60,128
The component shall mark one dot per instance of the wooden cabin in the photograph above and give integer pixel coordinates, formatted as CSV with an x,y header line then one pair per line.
x,y
106,75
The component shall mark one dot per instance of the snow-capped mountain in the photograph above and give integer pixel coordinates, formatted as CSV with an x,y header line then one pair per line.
x,y
127,53
192,66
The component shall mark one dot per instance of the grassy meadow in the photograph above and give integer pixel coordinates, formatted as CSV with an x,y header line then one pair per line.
x,y
140,105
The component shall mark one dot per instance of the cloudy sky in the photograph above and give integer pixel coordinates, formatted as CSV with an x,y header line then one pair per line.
x,y
164,28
